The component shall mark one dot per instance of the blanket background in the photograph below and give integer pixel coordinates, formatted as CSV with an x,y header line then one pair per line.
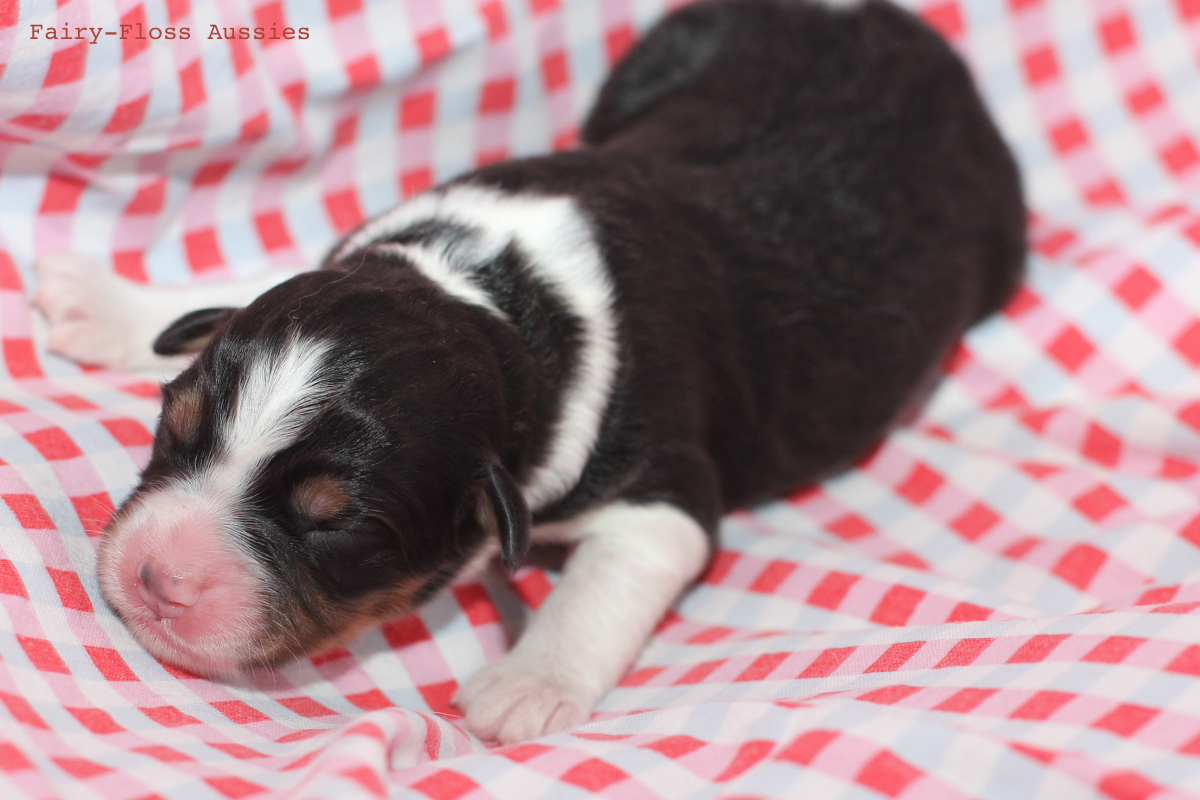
x,y
1001,602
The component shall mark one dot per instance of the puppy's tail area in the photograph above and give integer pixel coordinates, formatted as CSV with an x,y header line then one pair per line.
x,y
713,76
674,54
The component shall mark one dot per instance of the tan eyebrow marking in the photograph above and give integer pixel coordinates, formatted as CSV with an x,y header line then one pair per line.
x,y
321,498
182,414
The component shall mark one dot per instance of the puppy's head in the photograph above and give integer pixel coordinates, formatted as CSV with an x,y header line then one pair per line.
x,y
331,458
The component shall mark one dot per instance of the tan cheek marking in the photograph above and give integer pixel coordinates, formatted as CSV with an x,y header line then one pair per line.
x,y
380,607
397,600
182,416
346,623
321,498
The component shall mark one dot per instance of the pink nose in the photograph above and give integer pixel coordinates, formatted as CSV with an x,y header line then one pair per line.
x,y
168,596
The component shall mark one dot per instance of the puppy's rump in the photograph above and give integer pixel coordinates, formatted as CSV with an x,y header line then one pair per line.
x,y
861,109
802,207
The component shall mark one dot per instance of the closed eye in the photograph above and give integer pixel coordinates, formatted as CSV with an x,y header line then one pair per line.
x,y
321,498
181,414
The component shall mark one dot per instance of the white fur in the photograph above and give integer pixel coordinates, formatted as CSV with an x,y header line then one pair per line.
x,y
630,564
278,394
442,271
201,516
561,250
98,318
166,525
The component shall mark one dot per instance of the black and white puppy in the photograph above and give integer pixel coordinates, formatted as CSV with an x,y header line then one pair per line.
x,y
783,216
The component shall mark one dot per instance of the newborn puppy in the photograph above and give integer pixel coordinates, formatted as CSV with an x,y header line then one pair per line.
x,y
783,216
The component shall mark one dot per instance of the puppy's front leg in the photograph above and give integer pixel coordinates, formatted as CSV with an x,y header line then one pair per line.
x,y
630,564
98,318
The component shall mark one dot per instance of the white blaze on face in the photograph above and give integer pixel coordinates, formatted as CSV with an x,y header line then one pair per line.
x,y
276,398
175,566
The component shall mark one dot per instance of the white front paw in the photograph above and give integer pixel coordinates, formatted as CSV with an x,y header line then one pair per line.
x,y
517,699
92,315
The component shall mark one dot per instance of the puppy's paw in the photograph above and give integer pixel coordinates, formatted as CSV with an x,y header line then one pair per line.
x,y
92,316
517,699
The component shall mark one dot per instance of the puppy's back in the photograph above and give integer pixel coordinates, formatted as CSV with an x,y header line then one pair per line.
x,y
866,211
793,108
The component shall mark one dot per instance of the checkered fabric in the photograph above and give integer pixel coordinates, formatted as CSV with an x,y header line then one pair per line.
x,y
1002,601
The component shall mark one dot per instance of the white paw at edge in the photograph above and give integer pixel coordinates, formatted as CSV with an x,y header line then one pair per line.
x,y
517,699
91,315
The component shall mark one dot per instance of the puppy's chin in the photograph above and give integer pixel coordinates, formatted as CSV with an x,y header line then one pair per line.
x,y
218,655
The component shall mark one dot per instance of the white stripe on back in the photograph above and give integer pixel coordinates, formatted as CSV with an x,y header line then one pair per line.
x,y
442,271
561,251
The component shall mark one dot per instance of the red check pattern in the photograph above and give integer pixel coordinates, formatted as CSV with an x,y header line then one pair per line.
x,y
1000,602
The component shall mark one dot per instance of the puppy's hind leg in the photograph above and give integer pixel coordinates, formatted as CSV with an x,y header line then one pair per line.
x,y
630,564
101,319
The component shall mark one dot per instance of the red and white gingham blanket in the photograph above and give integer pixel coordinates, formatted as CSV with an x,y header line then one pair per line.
x,y
1003,601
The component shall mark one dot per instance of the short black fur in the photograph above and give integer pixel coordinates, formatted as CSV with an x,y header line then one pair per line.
x,y
801,210
191,332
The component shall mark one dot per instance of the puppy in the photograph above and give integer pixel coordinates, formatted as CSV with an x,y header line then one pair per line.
x,y
782,217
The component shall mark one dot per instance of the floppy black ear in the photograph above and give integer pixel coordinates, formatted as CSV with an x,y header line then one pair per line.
x,y
503,508
191,332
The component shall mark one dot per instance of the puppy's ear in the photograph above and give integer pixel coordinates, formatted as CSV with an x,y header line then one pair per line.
x,y
501,509
191,332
